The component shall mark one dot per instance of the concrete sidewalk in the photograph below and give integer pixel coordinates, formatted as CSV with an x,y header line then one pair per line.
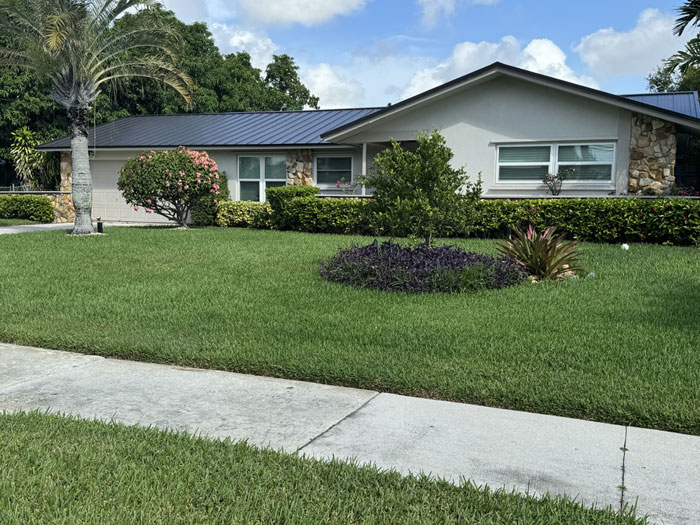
x,y
24,228
500,448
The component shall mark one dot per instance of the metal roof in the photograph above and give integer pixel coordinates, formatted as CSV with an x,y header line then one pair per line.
x,y
252,129
684,102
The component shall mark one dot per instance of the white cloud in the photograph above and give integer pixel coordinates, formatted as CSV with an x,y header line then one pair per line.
x,y
306,12
433,10
540,56
334,89
233,39
636,52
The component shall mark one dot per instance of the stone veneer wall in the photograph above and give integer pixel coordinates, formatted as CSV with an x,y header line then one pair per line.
x,y
300,168
62,200
652,156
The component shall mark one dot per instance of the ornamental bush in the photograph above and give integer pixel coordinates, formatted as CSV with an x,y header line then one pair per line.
x,y
315,215
28,207
244,214
171,183
391,267
419,193
280,197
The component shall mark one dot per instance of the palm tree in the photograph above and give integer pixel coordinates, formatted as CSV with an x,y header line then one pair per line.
x,y
688,15
75,44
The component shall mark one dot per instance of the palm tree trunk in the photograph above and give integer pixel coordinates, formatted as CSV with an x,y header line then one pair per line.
x,y
82,178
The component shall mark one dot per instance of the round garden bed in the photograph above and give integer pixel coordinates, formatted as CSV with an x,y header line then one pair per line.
x,y
448,269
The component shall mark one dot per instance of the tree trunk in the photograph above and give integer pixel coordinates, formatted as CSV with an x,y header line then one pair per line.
x,y
82,178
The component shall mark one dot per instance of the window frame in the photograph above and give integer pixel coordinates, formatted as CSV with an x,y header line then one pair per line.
x,y
261,180
328,185
554,164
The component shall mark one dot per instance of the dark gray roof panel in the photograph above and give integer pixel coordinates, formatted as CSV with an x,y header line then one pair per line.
x,y
684,102
261,128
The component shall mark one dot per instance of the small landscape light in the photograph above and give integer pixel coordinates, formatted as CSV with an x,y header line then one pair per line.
x,y
100,229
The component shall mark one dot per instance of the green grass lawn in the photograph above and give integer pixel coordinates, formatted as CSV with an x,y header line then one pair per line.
x,y
622,347
62,470
15,222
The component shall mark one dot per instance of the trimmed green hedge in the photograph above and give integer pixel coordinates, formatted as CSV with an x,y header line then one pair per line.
x,y
280,197
314,215
671,221
244,214
29,207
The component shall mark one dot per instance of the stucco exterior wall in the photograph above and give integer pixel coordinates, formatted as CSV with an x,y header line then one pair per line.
x,y
511,111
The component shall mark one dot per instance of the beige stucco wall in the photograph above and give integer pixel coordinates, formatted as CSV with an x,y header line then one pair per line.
x,y
508,110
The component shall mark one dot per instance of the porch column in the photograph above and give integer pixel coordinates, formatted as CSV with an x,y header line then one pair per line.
x,y
364,164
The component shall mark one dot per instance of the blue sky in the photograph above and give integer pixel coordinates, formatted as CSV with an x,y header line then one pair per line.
x,y
370,52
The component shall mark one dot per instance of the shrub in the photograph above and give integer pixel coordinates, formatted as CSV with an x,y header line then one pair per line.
x,y
205,211
280,197
170,183
543,255
244,214
419,193
315,215
392,267
672,221
28,207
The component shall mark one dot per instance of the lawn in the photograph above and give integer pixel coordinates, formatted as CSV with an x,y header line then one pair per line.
x,y
621,347
62,470
15,222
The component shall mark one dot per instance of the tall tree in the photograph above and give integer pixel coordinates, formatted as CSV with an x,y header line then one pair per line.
x,y
72,43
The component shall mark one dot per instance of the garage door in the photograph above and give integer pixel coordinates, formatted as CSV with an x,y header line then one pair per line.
x,y
107,201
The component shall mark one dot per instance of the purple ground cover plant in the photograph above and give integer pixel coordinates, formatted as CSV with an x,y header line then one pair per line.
x,y
391,267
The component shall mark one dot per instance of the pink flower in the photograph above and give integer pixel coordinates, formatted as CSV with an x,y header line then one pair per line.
x,y
149,210
187,187
199,181
149,201
215,201
167,185
198,174
136,208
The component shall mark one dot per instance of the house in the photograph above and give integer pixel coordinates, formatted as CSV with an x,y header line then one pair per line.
x,y
510,125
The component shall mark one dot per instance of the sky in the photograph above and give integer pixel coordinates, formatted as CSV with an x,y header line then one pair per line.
x,y
362,53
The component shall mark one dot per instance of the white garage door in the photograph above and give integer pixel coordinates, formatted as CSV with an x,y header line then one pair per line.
x,y
107,201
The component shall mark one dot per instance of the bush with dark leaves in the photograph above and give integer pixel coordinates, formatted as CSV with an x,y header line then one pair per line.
x,y
392,267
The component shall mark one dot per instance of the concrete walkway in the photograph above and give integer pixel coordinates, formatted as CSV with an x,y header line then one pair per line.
x,y
500,448
24,228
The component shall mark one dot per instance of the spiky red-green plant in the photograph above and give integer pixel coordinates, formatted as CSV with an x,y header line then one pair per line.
x,y
545,255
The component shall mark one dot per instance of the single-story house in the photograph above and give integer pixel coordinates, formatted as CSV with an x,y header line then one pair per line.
x,y
510,125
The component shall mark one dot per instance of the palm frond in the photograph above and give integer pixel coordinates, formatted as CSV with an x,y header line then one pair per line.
x,y
154,68
688,14
689,57
14,58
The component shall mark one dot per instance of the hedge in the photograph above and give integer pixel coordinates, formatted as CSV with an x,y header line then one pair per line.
x,y
670,221
28,207
244,214
280,197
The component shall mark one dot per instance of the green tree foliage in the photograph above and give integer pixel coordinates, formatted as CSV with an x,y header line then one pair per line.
x,y
420,193
221,83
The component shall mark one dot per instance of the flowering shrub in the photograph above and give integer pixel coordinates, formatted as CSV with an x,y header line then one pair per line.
x,y
171,183
392,267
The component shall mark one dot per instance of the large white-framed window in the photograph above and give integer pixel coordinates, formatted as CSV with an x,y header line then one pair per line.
x,y
256,173
330,169
592,162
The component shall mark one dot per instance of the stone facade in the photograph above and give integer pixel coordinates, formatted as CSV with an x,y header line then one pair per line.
x,y
652,156
300,167
63,200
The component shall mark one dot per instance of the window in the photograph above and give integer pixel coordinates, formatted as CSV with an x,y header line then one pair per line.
x,y
329,170
256,174
592,162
